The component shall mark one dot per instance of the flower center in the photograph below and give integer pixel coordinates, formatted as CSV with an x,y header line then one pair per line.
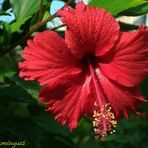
x,y
103,118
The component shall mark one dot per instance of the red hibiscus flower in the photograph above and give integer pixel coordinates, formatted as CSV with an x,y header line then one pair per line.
x,y
94,71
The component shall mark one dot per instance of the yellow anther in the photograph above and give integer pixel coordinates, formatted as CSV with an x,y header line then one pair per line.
x,y
104,120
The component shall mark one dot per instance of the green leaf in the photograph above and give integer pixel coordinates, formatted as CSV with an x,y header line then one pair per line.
x,y
6,64
7,74
46,15
24,9
116,6
16,94
1,39
6,32
31,87
144,87
128,27
49,124
136,11
3,12
6,5
16,25
23,128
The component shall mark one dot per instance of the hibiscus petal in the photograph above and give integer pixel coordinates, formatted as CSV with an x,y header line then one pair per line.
x,y
90,30
48,59
129,63
67,102
122,99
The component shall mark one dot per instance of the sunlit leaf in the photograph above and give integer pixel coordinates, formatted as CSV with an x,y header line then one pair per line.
x,y
116,6
23,10
136,11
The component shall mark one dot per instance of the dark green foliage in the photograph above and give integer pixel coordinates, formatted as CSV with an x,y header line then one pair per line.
x,y
22,117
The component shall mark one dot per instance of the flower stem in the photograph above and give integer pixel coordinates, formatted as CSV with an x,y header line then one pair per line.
x,y
40,12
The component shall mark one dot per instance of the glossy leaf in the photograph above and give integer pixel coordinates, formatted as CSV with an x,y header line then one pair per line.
x,y
127,27
136,11
116,6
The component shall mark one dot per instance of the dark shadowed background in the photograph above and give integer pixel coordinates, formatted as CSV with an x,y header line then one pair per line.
x,y
22,118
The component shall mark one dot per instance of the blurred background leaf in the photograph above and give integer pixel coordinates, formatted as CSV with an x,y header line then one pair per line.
x,y
116,6
23,118
23,10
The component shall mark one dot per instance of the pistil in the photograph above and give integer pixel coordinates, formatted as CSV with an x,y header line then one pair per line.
x,y
103,118
104,121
